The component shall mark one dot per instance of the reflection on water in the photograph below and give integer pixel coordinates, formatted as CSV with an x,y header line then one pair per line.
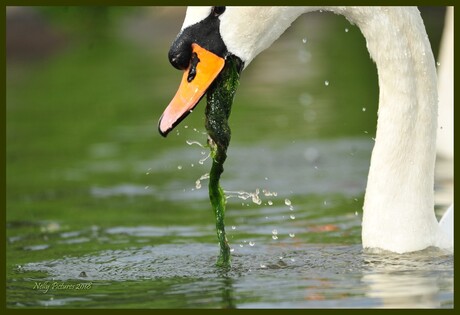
x,y
404,290
402,281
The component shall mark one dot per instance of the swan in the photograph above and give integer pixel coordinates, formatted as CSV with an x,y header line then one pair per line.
x,y
398,210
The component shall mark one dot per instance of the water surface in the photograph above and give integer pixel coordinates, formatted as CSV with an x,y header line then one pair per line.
x,y
104,213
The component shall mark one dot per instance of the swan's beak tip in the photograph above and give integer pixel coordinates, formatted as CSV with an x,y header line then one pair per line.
x,y
163,132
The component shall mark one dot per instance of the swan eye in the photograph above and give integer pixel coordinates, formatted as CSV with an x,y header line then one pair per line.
x,y
218,10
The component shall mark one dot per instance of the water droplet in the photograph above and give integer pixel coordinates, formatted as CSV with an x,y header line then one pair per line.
x,y
146,187
346,30
356,213
232,250
263,266
274,237
233,227
268,193
192,165
198,181
438,63
241,245
326,83
291,208
251,243
366,132
304,40
325,202
186,126
190,142
256,199
281,257
292,217
275,232
266,178
364,109
291,235
205,158
292,259
270,203
287,202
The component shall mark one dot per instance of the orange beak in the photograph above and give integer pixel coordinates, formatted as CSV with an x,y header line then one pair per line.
x,y
202,71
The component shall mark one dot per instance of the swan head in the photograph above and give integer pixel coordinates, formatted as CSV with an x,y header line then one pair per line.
x,y
209,37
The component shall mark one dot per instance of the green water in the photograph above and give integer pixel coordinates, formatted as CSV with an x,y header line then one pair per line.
x,y
108,213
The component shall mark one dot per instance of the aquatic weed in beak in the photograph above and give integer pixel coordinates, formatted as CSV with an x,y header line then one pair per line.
x,y
219,103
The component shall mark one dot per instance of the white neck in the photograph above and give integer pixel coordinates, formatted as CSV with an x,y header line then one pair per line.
x,y
399,202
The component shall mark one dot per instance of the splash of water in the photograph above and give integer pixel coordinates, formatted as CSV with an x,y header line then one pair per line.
x,y
194,142
245,195
198,181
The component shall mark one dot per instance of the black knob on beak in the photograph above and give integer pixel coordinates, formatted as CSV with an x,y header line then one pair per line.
x,y
180,53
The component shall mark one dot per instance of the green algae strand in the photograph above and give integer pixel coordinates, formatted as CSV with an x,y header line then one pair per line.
x,y
219,103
